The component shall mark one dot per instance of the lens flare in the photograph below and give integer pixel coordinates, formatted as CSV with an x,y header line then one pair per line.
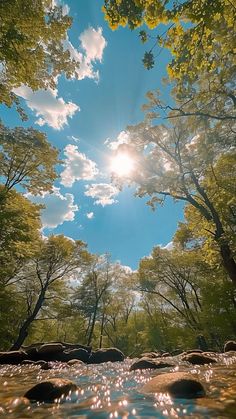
x,y
122,164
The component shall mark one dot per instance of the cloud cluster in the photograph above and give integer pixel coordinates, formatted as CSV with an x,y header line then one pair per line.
x,y
48,107
51,109
103,193
77,166
123,138
58,207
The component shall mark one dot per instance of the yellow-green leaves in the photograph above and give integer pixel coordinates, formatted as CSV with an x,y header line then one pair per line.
x,y
31,46
27,158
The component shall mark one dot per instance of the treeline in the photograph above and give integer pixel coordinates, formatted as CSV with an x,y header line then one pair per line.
x,y
53,288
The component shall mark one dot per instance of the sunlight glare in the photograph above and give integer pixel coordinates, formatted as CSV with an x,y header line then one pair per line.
x,y
122,164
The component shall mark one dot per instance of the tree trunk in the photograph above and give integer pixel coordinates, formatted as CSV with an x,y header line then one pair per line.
x,y
102,328
228,261
23,332
93,324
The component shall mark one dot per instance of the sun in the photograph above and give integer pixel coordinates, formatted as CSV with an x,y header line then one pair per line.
x,y
122,164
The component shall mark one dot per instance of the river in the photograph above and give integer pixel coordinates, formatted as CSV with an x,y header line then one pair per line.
x,y
110,391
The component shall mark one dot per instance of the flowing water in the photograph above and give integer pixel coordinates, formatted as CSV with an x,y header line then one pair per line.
x,y
110,390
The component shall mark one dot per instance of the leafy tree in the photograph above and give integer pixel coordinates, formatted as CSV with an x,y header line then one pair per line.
x,y
93,293
175,277
197,231
57,259
173,163
200,35
19,234
32,52
26,158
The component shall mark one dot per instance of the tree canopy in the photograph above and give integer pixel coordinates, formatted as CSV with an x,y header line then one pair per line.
x,y
28,159
200,36
32,52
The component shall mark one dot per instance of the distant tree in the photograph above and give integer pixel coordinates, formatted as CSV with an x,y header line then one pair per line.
x,y
32,52
93,292
58,259
26,159
175,278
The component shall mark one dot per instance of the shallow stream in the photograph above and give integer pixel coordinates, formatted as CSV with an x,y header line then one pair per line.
x,y
110,390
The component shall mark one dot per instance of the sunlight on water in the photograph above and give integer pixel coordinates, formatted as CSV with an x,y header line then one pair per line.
x,y
111,391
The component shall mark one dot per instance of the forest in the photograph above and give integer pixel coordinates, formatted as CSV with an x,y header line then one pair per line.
x,y
52,288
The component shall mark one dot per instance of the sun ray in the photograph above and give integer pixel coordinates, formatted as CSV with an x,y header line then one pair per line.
x,y
122,164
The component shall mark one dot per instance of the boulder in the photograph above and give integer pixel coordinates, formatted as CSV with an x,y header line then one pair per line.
x,y
50,390
177,384
12,357
106,355
195,351
150,355
198,359
73,362
79,354
145,363
230,346
50,348
165,354
43,364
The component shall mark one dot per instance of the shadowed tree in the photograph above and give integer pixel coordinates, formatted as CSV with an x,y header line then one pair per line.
x,y
58,259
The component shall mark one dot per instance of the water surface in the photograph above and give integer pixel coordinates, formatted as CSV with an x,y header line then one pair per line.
x,y
111,391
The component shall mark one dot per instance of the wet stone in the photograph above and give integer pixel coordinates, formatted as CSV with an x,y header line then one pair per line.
x,y
50,390
106,355
50,348
75,362
230,346
150,355
176,384
12,357
145,363
79,354
198,359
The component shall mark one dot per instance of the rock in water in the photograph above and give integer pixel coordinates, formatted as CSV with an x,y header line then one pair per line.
x,y
50,348
230,346
12,357
48,391
145,363
198,359
176,384
106,355
69,354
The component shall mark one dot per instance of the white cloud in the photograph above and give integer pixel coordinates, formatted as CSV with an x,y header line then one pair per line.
x,y
103,193
168,246
90,215
49,108
123,138
58,207
93,43
77,166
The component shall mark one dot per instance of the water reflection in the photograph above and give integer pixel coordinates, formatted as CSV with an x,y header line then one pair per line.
x,y
112,391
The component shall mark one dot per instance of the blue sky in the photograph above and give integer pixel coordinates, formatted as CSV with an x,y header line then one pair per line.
x,y
78,118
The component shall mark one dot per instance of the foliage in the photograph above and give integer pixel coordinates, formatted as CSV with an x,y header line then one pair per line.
x,y
28,159
173,162
58,259
32,52
200,35
19,234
